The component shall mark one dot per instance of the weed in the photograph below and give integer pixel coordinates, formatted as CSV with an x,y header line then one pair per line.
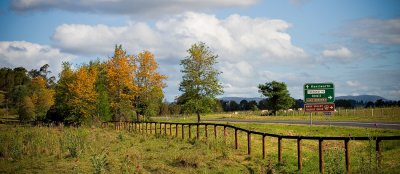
x,y
126,165
74,142
15,149
120,137
99,162
334,160
186,161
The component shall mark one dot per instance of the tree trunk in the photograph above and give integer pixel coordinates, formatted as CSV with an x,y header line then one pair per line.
x,y
198,117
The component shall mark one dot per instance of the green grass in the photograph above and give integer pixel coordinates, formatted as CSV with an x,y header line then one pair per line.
x,y
360,114
44,150
26,149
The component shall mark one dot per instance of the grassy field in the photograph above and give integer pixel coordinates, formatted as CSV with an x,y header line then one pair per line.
x,y
94,150
26,149
360,114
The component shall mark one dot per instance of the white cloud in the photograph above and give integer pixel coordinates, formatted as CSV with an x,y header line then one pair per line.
x,y
245,45
353,83
375,31
31,56
339,52
127,7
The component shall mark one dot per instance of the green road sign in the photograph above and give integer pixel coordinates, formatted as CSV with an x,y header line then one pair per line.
x,y
319,93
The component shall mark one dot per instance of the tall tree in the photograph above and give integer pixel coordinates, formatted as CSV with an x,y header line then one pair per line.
x,y
42,97
83,93
150,84
102,102
63,95
278,95
121,70
199,83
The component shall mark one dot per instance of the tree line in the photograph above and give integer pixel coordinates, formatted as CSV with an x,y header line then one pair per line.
x,y
122,87
125,87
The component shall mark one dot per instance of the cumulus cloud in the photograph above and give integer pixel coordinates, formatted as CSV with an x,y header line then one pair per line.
x,y
375,31
235,37
338,52
31,56
127,7
353,83
244,44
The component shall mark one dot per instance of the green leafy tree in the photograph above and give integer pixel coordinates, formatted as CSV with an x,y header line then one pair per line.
x,y
278,95
63,95
199,83
27,109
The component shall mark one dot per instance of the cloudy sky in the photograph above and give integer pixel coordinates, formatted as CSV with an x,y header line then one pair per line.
x,y
354,44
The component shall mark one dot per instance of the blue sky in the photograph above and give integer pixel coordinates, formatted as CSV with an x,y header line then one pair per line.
x,y
354,44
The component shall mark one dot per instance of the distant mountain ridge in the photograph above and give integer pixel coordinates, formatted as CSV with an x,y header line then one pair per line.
x,y
238,99
365,98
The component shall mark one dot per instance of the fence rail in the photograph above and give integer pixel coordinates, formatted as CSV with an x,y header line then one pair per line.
x,y
145,126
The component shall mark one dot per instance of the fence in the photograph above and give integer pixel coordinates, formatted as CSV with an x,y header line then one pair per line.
x,y
147,127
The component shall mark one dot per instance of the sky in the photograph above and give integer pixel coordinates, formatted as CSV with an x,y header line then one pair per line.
x,y
354,44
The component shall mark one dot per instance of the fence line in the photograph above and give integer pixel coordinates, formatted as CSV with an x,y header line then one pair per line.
x,y
140,126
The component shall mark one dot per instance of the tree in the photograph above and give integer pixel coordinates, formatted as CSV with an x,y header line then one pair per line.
x,y
199,82
244,105
27,110
63,95
83,93
278,95
120,74
42,97
102,102
150,84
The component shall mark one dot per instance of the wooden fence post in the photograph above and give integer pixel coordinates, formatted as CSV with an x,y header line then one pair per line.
x,y
170,129
165,128
321,156
198,134
206,131
378,153
280,149
176,130
236,139
347,154
146,127
183,131
190,131
215,131
248,143
160,128
299,156
263,146
225,134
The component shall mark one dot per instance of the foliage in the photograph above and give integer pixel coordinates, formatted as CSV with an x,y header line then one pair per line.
x,y
27,110
278,95
42,97
150,84
199,82
83,94
120,82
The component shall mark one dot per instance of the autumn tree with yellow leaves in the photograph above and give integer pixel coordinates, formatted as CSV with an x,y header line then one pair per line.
x,y
150,85
83,93
122,87
120,83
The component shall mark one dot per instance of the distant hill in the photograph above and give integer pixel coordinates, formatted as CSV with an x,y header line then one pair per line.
x,y
238,99
365,98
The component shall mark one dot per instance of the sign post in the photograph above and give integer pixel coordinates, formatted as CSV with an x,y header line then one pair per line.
x,y
319,97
